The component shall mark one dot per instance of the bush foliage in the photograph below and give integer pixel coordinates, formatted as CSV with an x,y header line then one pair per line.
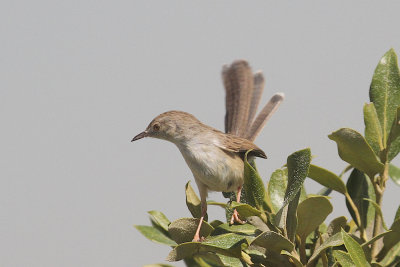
x,y
285,226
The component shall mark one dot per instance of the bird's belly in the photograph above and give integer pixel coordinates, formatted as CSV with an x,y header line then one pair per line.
x,y
218,170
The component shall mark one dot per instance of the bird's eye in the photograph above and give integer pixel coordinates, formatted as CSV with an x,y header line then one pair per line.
x,y
156,127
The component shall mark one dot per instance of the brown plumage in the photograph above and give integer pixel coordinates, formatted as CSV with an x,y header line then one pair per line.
x,y
216,158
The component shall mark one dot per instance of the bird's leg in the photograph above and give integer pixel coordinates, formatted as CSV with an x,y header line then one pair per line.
x,y
203,196
235,215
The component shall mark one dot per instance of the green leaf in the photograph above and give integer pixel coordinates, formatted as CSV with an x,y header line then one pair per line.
x,y
245,210
391,256
354,149
326,178
228,245
336,225
375,238
359,188
355,250
394,174
277,187
378,210
253,185
373,130
333,241
308,218
192,201
296,260
159,219
155,235
391,239
183,229
394,141
385,91
343,258
230,261
397,215
246,229
273,241
298,164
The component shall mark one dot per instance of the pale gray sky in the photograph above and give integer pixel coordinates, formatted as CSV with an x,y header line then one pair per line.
x,y
80,78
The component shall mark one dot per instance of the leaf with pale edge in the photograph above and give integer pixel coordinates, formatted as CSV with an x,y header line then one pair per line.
x,y
343,258
253,185
308,218
155,235
385,91
273,241
354,149
359,188
373,130
227,244
394,174
333,241
355,250
183,229
326,178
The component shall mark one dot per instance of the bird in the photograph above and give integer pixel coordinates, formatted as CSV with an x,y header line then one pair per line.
x,y
216,158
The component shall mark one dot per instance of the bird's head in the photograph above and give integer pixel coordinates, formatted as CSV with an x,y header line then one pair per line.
x,y
172,126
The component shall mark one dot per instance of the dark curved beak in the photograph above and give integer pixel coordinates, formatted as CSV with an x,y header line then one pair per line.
x,y
139,136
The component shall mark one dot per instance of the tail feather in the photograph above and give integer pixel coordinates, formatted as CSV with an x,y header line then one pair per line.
x,y
256,97
264,116
243,94
238,81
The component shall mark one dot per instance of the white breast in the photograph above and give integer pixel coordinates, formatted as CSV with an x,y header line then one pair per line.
x,y
218,170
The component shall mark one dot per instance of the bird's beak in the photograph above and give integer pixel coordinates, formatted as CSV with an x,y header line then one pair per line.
x,y
139,136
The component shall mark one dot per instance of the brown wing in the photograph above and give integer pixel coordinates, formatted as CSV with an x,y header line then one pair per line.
x,y
240,145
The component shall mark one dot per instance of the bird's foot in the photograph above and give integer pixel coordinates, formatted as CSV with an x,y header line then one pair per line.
x,y
197,238
235,218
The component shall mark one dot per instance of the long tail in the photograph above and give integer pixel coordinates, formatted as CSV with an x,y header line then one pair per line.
x,y
243,94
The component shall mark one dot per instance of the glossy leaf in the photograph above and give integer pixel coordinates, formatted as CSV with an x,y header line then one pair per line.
x,y
326,178
359,188
394,141
354,149
373,129
160,219
291,218
245,210
227,244
336,225
391,239
308,218
378,211
385,91
355,250
343,258
247,229
183,230
192,201
253,185
277,187
273,241
155,235
298,164
333,241
394,174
